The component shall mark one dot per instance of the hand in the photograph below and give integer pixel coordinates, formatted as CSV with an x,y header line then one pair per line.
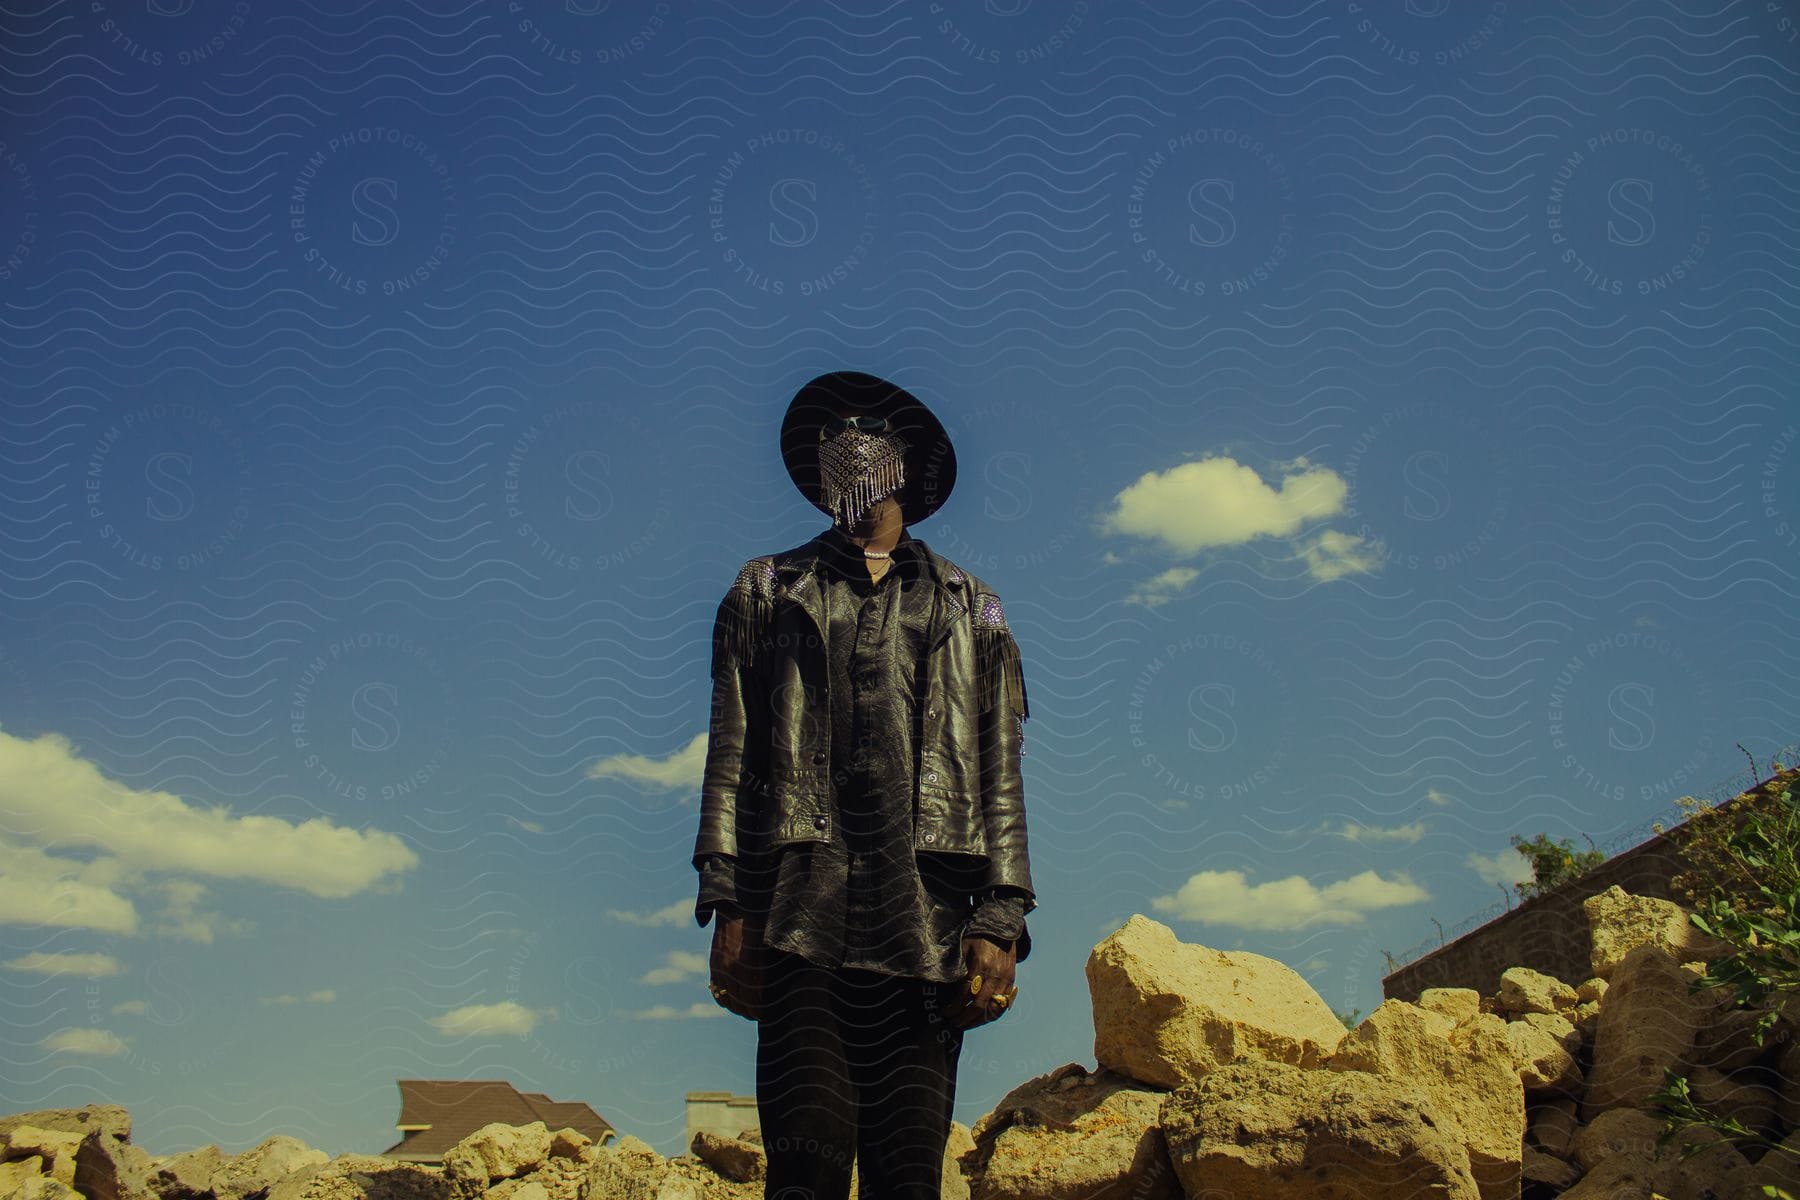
x,y
994,968
736,967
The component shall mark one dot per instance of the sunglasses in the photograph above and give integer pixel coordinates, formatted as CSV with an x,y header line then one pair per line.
x,y
833,426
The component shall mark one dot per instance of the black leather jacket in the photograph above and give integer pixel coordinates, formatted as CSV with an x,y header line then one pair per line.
x,y
766,782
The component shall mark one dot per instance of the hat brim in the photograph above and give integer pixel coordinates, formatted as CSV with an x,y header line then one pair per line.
x,y
930,458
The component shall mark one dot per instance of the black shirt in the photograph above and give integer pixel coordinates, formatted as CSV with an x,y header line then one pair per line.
x,y
865,899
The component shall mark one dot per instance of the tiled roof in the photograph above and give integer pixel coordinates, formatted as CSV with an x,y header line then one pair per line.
x,y
453,1109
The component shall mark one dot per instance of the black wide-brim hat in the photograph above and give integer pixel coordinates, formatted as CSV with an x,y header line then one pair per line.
x,y
930,459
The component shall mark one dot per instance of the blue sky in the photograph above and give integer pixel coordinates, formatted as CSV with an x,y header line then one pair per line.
x,y
1378,419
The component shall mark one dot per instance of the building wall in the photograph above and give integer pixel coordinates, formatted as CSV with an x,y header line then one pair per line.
x,y
721,1113
1550,933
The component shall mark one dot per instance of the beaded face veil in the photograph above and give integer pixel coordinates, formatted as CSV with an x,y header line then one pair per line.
x,y
860,461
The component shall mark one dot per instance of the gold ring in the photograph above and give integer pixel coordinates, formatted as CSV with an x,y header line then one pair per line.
x,y
975,985
717,991
1002,999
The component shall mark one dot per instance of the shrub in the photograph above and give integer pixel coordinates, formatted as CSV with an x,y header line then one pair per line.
x,y
1553,863
1752,904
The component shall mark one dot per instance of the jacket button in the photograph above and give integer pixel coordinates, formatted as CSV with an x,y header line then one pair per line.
x,y
931,712
931,837
931,777
818,822
818,756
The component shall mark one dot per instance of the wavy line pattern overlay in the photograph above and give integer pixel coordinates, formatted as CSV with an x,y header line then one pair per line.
x,y
1379,417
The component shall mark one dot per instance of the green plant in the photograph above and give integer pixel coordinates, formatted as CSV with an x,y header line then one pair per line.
x,y
1553,863
1762,846
1717,866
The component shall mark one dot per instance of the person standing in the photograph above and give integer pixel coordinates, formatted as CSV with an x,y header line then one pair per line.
x,y
862,835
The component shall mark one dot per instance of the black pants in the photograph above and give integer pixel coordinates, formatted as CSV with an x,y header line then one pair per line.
x,y
853,1065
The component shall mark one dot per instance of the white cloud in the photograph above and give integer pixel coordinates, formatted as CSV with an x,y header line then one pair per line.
x,y
678,965
1227,898
1220,502
134,1007
1408,833
699,1010
182,916
78,1040
63,962
1333,555
1160,589
1438,798
677,914
473,1019
64,800
322,996
1506,866
680,771
40,889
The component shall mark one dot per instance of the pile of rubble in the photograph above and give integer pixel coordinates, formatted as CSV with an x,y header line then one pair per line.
x,y
1219,1074
1223,1074
87,1154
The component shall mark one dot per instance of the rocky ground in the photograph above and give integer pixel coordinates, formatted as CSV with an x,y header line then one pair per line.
x,y
1218,1075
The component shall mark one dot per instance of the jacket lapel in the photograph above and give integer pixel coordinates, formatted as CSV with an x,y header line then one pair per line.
x,y
798,576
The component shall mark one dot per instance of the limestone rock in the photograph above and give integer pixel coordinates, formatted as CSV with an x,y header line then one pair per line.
x,y
1737,1095
1622,1177
568,1143
1647,1022
111,1118
738,1161
1619,922
1552,1122
1787,1067
45,1187
1728,1042
1456,1003
1275,1131
955,1186
105,1169
1547,1169
250,1175
1614,1132
1585,1015
362,1177
1072,1135
1469,1081
187,1176
1780,1167
627,1169
1523,990
1589,991
55,1146
1166,1012
14,1173
1540,1059
496,1151
1717,1173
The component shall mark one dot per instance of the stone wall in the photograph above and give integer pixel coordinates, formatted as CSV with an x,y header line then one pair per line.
x,y
721,1113
1549,933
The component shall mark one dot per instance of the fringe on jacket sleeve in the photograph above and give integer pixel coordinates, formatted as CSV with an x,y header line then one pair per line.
x,y
997,658
744,614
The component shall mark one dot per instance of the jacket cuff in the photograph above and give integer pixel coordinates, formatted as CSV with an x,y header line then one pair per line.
x,y
718,887
1000,918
